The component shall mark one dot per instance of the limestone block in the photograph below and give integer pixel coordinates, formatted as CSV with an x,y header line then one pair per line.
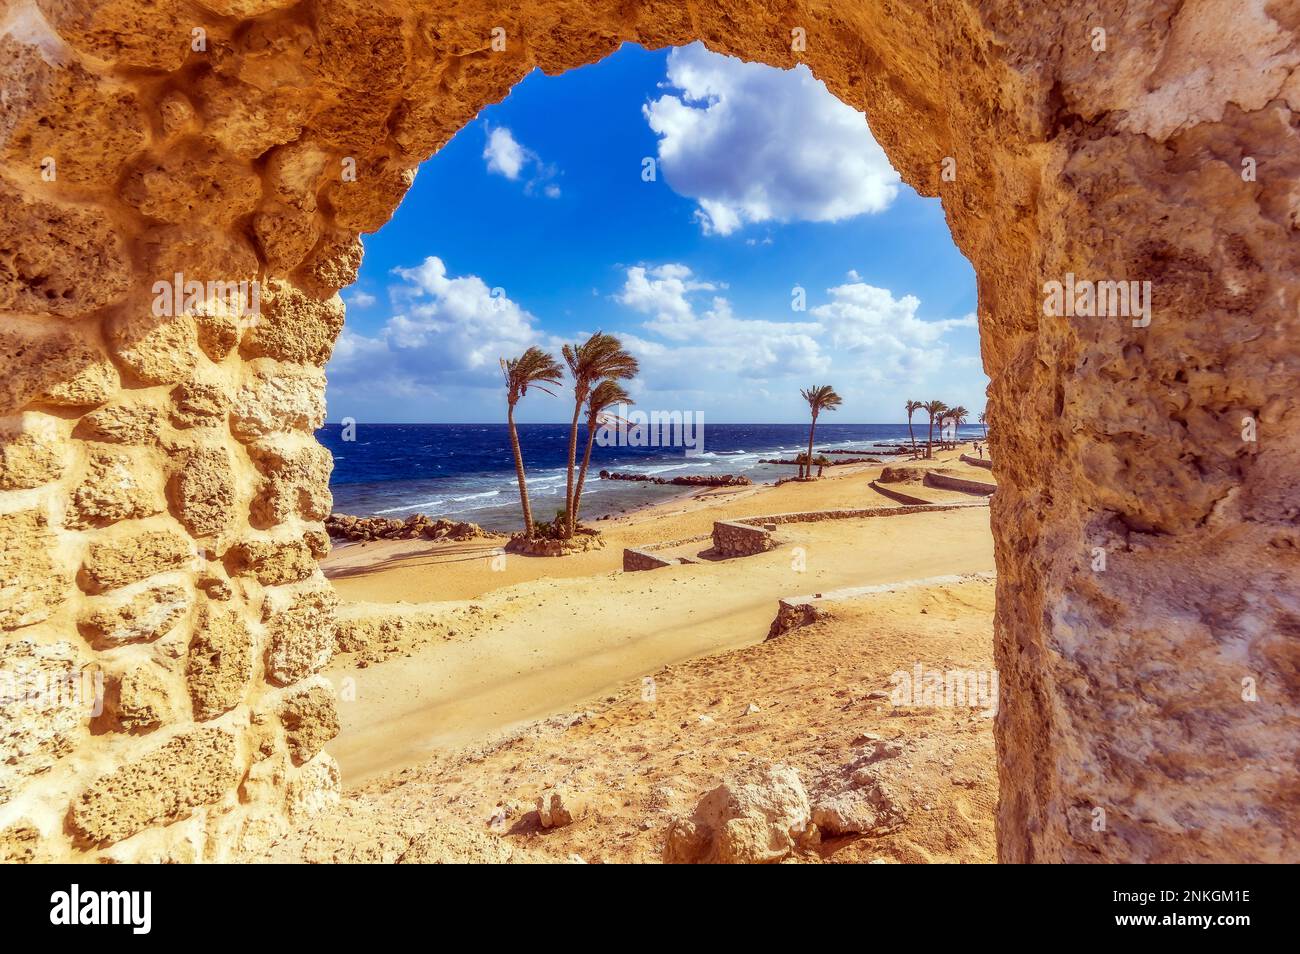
x,y
293,326
47,696
31,585
143,700
30,458
66,114
315,789
125,559
159,786
367,202
126,422
134,615
54,365
273,562
286,235
58,260
278,398
310,719
159,349
199,404
332,265
193,181
220,662
296,481
202,491
301,625
118,484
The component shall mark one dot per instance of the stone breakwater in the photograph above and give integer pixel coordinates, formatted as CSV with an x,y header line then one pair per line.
x,y
346,527
832,463
693,480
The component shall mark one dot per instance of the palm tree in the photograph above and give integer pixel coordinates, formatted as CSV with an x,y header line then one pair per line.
x,y
912,407
532,369
820,397
599,357
984,423
934,409
603,396
958,415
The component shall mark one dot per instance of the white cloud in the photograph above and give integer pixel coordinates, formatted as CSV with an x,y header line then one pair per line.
x,y
360,299
862,335
443,331
504,156
751,143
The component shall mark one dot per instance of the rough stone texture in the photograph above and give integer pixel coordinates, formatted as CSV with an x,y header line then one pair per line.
x,y
759,819
1122,690
302,625
29,459
40,688
220,662
161,786
31,585
202,491
116,485
310,719
273,562
135,614
129,558
738,539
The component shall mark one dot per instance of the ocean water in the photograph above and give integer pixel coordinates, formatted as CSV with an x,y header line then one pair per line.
x,y
467,471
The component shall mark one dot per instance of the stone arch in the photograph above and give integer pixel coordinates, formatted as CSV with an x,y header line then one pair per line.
x,y
161,493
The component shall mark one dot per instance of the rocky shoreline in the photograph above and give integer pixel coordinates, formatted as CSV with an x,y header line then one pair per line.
x,y
694,480
342,526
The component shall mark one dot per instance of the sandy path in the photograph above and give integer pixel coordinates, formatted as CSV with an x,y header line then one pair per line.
x,y
550,645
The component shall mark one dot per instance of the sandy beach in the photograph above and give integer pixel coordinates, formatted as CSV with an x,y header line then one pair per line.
x,y
481,686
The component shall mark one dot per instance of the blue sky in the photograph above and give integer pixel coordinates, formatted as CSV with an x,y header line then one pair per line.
x,y
535,225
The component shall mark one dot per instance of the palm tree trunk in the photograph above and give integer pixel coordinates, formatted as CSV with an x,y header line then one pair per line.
x,y
812,430
910,434
569,519
929,440
519,471
582,473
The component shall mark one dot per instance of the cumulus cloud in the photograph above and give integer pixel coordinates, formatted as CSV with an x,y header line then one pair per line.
x,y
751,143
360,299
506,157
694,337
444,330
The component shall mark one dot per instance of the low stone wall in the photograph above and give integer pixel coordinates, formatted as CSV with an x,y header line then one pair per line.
x,y
897,494
644,560
959,483
734,538
812,516
977,461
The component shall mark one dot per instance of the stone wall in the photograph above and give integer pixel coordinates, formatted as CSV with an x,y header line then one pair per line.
x,y
161,494
977,461
732,538
634,560
948,482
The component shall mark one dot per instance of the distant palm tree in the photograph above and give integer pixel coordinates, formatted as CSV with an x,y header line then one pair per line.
x,y
935,409
603,396
820,398
532,369
958,415
912,408
983,419
599,357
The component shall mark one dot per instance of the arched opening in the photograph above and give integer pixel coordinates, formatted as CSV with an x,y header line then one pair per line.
x,y
163,494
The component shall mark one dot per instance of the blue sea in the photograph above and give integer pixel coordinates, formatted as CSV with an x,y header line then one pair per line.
x,y
467,472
